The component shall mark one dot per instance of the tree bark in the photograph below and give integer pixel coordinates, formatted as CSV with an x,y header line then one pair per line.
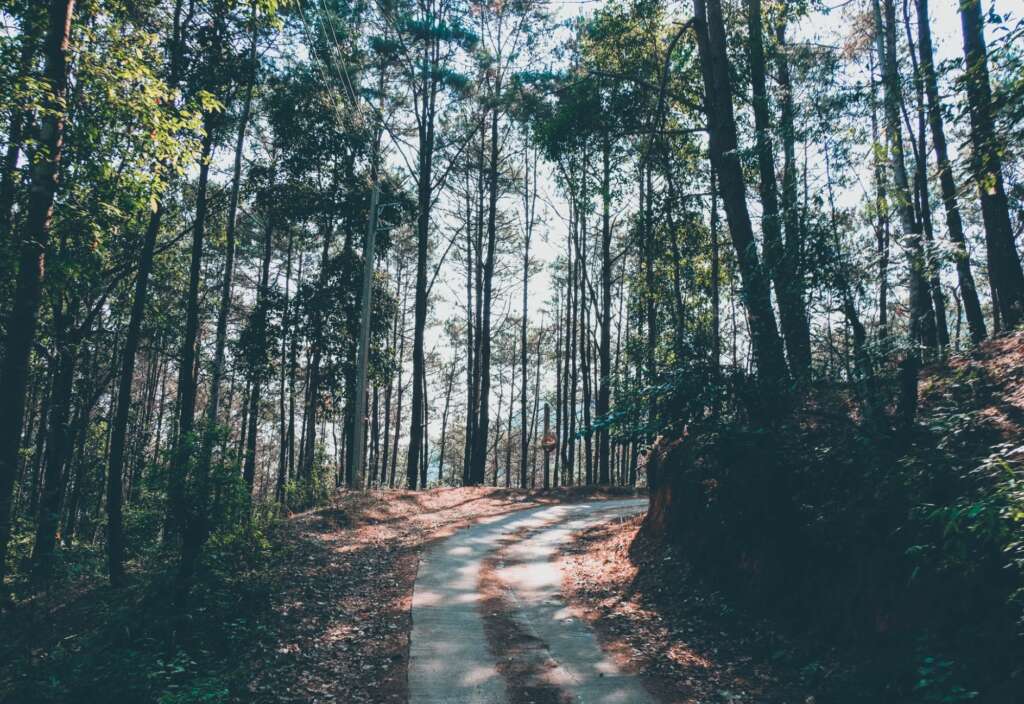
x,y
954,222
1003,259
189,520
922,317
58,445
604,393
483,422
523,356
778,258
766,343
21,321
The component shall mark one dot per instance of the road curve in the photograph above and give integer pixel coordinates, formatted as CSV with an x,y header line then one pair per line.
x,y
451,661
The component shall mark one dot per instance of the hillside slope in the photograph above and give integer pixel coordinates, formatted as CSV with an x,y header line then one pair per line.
x,y
903,543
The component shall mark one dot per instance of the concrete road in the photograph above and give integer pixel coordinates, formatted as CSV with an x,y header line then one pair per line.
x,y
451,659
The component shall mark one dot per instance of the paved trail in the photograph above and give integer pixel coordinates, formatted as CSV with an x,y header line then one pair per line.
x,y
451,661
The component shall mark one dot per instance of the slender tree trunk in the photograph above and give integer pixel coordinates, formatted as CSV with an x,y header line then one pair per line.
x,y
115,520
43,391
559,384
923,198
58,446
584,345
424,192
467,446
716,276
922,321
523,356
224,309
249,466
604,393
986,162
483,424
401,390
779,262
881,204
646,207
765,340
426,445
311,404
21,321
282,462
954,223
189,514
419,321
444,425
532,439
373,466
389,390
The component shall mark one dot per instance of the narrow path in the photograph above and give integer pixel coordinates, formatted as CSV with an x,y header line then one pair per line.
x,y
451,659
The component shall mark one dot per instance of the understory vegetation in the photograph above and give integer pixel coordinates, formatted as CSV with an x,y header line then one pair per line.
x,y
902,545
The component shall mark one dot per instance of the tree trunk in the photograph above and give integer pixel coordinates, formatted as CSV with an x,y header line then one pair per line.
x,y
922,322
21,321
444,426
221,335
115,471
282,462
424,200
58,445
188,516
765,340
986,162
954,223
923,197
778,259
483,424
716,276
604,392
881,204
523,356
249,466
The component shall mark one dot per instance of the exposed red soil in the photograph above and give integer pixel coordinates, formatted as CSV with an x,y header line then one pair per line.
x,y
654,617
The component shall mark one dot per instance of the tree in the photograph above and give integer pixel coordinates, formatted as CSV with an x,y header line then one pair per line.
x,y
986,164
765,338
780,258
21,326
954,222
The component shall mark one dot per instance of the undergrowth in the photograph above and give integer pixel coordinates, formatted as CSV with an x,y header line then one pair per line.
x,y
88,642
902,546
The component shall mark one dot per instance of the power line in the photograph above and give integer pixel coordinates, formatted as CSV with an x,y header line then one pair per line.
x,y
320,65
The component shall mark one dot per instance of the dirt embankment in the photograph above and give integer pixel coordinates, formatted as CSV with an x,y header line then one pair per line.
x,y
688,643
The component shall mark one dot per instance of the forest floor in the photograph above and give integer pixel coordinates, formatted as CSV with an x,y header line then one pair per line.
x,y
990,379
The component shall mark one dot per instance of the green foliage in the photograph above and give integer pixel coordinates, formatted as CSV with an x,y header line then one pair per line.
x,y
936,682
134,645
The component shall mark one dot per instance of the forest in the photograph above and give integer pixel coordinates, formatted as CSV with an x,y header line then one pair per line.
x,y
757,261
